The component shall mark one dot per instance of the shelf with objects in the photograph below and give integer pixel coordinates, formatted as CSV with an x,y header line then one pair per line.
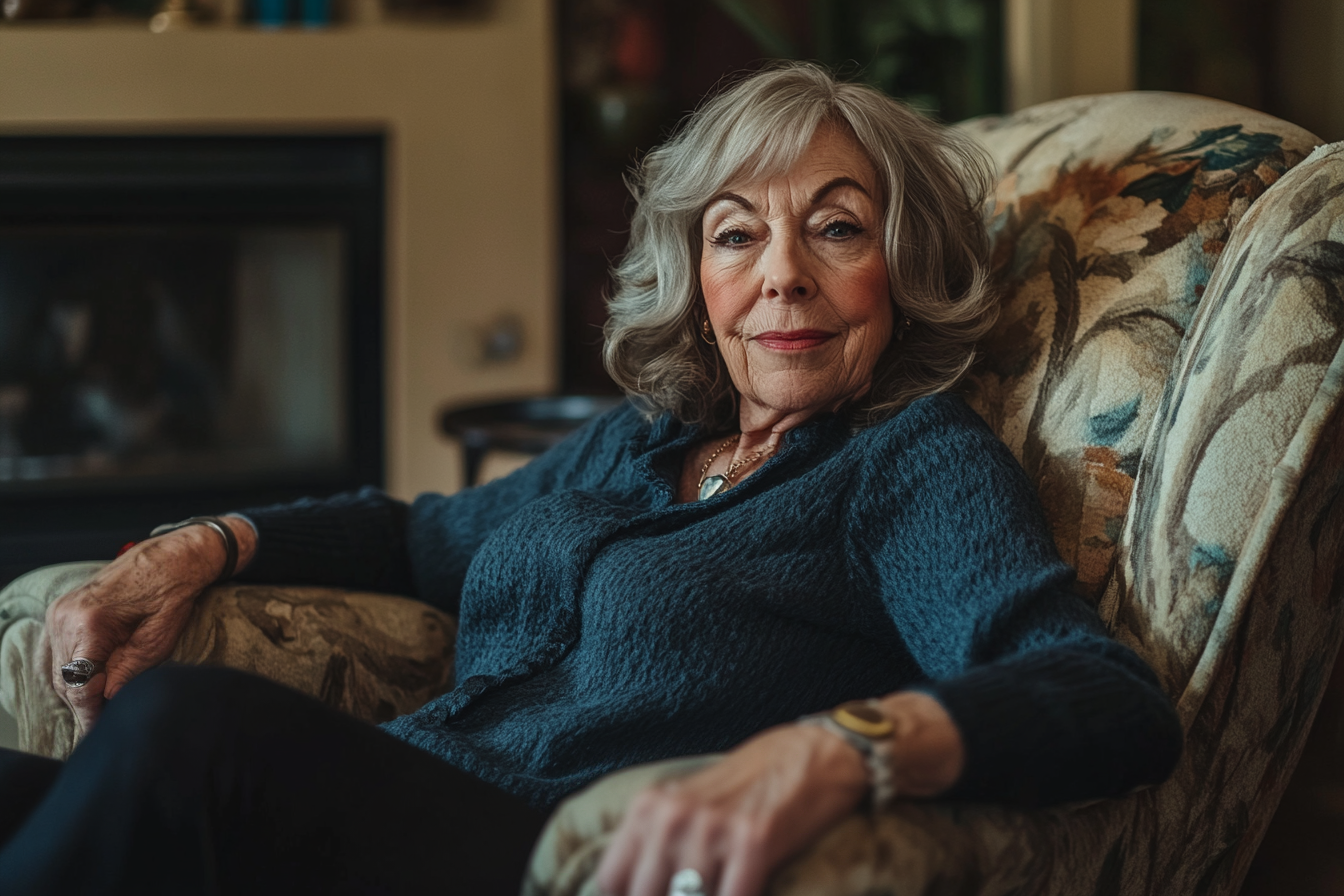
x,y
161,16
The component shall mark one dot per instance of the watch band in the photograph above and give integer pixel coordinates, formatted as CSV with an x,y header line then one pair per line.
x,y
863,727
221,527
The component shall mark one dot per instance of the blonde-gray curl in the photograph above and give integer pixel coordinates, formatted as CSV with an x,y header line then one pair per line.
x,y
934,183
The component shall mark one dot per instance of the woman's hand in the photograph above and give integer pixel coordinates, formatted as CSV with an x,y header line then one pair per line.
x,y
130,615
738,820
741,818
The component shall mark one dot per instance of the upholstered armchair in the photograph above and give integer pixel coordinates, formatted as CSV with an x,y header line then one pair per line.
x,y
1168,369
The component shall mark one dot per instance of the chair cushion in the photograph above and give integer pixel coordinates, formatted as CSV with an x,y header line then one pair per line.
x,y
372,655
1248,414
1109,216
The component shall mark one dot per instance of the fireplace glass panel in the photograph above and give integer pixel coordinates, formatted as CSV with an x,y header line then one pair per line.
x,y
182,354
188,324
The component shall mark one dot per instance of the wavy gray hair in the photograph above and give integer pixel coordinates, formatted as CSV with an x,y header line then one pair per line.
x,y
934,183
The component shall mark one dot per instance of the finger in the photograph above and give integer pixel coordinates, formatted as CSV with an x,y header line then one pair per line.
x,y
68,640
653,871
86,702
747,866
653,868
150,643
618,861
701,849
120,671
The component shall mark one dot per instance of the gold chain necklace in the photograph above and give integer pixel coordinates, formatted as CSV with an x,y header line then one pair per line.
x,y
709,486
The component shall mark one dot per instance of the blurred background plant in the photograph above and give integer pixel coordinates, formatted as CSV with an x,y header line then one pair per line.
x,y
943,56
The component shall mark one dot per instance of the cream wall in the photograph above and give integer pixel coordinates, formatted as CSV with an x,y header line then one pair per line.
x,y
1311,65
1058,48
469,110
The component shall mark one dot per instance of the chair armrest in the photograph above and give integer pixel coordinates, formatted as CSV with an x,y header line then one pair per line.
x,y
914,849
375,656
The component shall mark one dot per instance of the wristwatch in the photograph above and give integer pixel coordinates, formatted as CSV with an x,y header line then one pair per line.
x,y
863,725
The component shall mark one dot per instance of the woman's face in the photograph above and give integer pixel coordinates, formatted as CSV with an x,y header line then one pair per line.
x,y
796,283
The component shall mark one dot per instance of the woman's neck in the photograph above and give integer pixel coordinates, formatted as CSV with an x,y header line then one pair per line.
x,y
762,435
738,457
763,429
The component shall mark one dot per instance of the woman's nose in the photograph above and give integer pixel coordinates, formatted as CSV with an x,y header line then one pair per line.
x,y
786,272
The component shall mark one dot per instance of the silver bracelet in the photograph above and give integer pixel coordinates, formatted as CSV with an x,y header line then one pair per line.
x,y
214,522
871,739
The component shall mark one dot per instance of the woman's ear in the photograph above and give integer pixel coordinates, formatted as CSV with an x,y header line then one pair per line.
x,y
903,322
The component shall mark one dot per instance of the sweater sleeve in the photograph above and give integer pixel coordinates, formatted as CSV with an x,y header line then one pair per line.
x,y
368,540
1049,707
351,540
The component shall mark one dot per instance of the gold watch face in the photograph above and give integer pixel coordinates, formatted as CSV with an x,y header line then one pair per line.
x,y
862,719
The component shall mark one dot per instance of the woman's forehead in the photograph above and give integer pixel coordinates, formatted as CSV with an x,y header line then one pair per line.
x,y
832,152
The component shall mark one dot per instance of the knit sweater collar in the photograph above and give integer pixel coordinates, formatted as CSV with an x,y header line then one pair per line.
x,y
658,452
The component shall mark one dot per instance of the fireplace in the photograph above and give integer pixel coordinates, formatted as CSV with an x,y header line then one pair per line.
x,y
188,324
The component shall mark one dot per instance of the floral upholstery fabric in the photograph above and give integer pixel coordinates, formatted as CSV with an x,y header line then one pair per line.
x,y
371,655
1108,219
1168,368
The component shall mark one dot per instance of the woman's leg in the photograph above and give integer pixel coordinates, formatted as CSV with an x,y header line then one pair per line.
x,y
24,781
202,780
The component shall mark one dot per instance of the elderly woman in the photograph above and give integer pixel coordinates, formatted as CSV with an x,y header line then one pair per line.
x,y
792,544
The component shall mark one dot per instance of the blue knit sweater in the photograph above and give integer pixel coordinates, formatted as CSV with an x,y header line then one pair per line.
x,y
602,624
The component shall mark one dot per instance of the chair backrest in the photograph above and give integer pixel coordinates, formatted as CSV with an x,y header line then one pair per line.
x,y
1110,215
1168,368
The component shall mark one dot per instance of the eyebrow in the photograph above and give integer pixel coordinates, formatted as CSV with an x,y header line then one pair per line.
x,y
733,197
836,184
826,188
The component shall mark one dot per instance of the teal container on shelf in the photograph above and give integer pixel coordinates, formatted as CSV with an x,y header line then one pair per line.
x,y
315,13
272,13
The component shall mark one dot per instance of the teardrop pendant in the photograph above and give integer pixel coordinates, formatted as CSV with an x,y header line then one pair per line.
x,y
712,486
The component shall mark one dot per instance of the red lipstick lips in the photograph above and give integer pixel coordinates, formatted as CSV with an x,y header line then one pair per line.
x,y
793,340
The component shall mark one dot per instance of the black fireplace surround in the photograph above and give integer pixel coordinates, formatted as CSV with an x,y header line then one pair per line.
x,y
188,324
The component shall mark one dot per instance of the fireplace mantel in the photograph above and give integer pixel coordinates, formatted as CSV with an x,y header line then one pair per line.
x,y
469,112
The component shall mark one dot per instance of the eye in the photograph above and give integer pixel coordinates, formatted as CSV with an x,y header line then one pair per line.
x,y
732,237
840,229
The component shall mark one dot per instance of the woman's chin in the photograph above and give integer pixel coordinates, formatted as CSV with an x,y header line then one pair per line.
x,y
781,399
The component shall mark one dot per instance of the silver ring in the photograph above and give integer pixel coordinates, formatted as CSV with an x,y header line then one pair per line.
x,y
687,882
78,671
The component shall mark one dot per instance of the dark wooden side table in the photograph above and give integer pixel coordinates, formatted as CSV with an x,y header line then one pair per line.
x,y
526,425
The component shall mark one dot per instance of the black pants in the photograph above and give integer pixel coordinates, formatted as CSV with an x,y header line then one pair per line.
x,y
206,781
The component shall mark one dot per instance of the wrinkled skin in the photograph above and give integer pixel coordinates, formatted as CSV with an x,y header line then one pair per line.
x,y
741,818
799,255
131,614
